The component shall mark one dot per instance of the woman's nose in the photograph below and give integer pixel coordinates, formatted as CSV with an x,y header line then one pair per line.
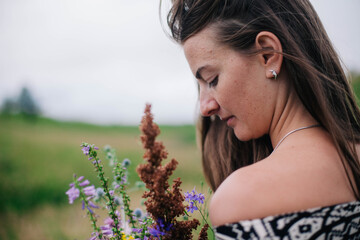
x,y
208,105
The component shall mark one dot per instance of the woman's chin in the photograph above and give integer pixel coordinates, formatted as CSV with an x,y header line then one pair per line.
x,y
242,135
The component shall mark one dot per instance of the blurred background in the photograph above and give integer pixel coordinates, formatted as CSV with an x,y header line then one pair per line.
x,y
82,70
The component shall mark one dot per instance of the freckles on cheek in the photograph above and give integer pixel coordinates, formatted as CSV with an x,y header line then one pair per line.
x,y
249,109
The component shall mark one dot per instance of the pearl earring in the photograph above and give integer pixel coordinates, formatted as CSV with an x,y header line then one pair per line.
x,y
274,73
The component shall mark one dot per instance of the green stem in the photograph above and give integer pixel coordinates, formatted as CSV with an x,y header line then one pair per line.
x,y
127,209
120,174
110,203
202,215
91,214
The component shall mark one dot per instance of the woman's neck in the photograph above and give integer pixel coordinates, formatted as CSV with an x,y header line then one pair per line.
x,y
290,114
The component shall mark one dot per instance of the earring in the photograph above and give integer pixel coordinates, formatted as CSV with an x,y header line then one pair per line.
x,y
274,73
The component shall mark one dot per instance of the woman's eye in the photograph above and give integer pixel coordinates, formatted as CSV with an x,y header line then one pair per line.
x,y
214,82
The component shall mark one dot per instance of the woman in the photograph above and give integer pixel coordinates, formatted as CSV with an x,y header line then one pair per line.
x,y
280,126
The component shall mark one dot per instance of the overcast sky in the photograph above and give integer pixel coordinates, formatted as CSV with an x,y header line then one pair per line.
x,y
100,61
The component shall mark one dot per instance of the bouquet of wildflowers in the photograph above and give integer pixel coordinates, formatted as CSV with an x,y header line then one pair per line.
x,y
166,216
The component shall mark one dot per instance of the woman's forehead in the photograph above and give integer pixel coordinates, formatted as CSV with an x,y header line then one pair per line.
x,y
203,44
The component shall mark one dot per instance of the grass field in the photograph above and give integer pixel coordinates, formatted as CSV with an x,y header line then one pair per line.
x,y
38,159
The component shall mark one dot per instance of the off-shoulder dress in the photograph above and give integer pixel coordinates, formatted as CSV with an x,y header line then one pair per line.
x,y
341,221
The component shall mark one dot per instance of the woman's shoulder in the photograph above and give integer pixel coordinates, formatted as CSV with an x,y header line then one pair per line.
x,y
278,184
247,193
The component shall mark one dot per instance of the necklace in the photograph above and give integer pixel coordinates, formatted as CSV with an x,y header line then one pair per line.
x,y
295,130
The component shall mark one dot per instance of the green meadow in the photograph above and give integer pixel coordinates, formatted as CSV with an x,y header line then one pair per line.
x,y
38,158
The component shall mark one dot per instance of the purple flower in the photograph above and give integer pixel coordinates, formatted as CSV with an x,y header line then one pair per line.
x,y
160,228
123,180
84,183
107,228
90,210
156,232
137,230
201,198
107,232
91,204
89,190
86,150
73,193
194,198
109,221
80,178
89,198
192,207
94,236
96,161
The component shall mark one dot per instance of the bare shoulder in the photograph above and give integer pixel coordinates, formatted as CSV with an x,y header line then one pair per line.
x,y
245,194
281,183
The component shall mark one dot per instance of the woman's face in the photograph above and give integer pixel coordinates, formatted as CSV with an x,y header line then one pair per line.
x,y
232,85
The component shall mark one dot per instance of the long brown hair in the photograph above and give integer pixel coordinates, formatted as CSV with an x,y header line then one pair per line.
x,y
309,59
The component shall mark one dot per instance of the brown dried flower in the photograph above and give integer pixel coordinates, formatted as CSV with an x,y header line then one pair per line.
x,y
164,204
203,233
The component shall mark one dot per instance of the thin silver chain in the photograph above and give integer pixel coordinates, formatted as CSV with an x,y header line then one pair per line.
x,y
295,130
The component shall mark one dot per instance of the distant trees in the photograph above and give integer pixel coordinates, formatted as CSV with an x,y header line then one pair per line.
x,y
24,104
9,107
27,104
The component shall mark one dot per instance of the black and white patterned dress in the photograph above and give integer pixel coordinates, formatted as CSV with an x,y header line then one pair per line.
x,y
341,221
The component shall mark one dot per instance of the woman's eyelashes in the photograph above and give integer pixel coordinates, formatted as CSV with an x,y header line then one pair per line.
x,y
214,82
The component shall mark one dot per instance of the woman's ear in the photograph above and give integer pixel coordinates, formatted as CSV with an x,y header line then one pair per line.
x,y
270,52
